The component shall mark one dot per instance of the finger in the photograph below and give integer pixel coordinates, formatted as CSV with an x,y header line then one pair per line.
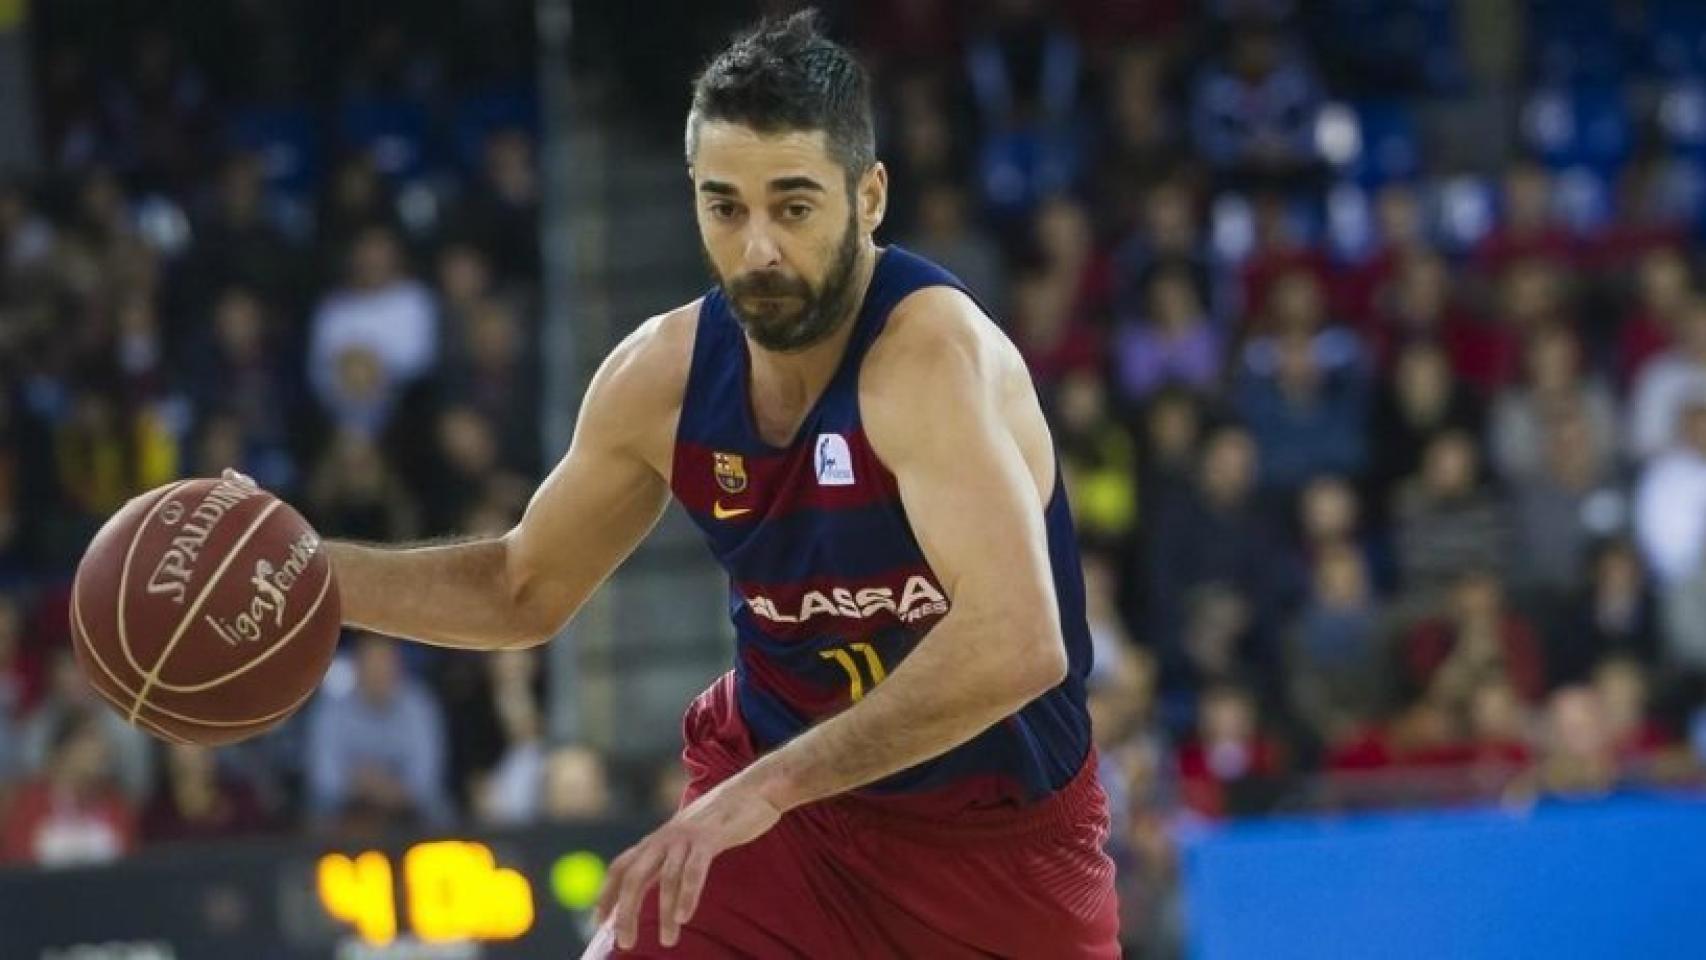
x,y
669,885
692,883
633,893
612,884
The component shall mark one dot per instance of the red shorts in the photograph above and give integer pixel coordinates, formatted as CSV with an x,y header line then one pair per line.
x,y
847,878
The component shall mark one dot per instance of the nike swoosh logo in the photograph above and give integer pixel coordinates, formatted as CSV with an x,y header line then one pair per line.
x,y
724,513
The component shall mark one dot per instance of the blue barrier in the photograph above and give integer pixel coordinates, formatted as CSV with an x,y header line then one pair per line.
x,y
1617,879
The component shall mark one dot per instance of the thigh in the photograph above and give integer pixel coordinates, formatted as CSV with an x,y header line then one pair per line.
x,y
765,899
1048,896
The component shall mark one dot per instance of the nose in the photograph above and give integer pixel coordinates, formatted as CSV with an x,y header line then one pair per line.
x,y
761,251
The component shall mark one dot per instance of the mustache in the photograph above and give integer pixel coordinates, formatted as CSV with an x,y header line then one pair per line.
x,y
769,284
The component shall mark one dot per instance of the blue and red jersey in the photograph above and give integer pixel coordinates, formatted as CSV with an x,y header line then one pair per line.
x,y
828,588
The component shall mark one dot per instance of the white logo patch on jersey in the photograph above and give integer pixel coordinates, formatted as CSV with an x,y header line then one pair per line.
x,y
834,461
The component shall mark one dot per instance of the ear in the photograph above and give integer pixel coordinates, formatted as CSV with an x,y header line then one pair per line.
x,y
873,198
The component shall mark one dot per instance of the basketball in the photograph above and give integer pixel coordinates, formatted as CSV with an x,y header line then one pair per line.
x,y
205,611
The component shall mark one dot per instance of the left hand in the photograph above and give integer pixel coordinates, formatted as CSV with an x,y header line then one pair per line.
x,y
677,856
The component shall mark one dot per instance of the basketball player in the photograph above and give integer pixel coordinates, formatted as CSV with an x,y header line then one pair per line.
x,y
899,763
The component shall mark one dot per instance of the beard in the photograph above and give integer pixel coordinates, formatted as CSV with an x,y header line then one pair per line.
x,y
760,300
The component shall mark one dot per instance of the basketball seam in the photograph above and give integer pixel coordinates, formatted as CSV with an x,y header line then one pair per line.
x,y
79,636
77,616
124,573
325,588
207,589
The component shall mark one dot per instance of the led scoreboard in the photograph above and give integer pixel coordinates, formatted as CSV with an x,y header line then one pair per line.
x,y
500,895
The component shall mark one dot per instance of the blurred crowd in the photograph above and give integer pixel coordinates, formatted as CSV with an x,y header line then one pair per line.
x,y
1390,473
317,262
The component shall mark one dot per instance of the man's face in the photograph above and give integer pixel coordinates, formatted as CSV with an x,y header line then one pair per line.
x,y
780,232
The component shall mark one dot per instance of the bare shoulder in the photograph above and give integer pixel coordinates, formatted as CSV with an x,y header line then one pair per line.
x,y
938,338
654,359
943,372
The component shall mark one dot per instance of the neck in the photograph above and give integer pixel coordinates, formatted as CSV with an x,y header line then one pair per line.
x,y
794,380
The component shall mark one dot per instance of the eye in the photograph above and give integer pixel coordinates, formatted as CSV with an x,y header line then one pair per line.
x,y
722,210
797,211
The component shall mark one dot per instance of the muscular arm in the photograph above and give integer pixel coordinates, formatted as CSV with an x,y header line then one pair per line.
x,y
588,515
973,504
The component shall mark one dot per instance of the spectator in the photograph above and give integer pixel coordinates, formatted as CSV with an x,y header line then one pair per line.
x,y
1336,657
511,793
1066,243
928,149
196,801
1621,683
1046,331
20,668
1330,514
1478,638
464,282
1572,501
1098,461
382,310
577,786
1168,230
1614,614
1416,305
1447,520
1420,402
1664,291
498,375
1142,139
1218,643
498,701
1389,270
376,751
107,451
246,372
501,212
1529,297
1499,734
946,234
1555,387
1306,412
1668,383
1220,535
69,696
72,813
1253,114
355,493
1023,71
1670,525
1527,228
1231,766
354,201
1172,342
237,245
1578,758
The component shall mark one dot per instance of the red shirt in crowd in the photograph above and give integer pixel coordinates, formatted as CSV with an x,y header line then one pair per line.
x,y
1431,643
51,826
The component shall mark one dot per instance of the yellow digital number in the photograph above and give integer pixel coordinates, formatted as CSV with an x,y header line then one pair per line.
x,y
456,891
358,892
843,656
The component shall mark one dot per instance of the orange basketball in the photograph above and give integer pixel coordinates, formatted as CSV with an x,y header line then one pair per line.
x,y
205,611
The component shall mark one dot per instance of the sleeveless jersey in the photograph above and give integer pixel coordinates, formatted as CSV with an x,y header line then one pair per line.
x,y
828,588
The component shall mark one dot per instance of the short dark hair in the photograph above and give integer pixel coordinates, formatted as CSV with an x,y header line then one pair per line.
x,y
783,76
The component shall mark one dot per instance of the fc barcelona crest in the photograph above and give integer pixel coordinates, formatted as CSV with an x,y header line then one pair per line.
x,y
730,470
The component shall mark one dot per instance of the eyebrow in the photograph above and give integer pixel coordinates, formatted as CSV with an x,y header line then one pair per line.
x,y
786,184
779,185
